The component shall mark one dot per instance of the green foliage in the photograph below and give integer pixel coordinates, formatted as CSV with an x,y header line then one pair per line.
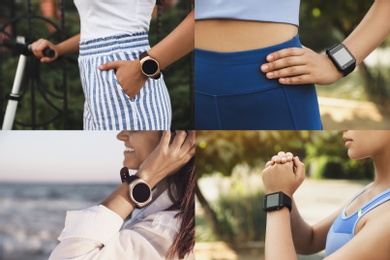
x,y
240,218
323,152
322,23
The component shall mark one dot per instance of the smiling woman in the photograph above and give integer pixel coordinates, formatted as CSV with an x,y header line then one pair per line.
x,y
163,162
165,228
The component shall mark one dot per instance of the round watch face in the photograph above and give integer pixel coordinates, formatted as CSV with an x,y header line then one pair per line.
x,y
150,67
141,192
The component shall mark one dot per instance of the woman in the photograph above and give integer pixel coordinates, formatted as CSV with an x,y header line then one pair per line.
x,y
120,74
164,229
301,66
360,230
232,39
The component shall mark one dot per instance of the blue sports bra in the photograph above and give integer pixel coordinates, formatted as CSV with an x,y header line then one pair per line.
x,y
280,11
343,228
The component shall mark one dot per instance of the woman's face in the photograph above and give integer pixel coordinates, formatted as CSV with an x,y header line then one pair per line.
x,y
366,143
138,145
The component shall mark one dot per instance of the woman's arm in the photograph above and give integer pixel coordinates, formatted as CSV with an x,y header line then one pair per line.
x,y
68,46
173,47
301,66
278,239
307,239
286,178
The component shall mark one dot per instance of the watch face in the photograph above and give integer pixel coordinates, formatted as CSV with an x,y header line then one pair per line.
x,y
342,57
149,67
141,192
272,200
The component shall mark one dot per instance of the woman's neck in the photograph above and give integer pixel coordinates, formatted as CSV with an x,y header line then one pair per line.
x,y
382,169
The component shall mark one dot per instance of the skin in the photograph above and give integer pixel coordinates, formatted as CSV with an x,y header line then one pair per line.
x,y
173,47
154,158
302,65
310,239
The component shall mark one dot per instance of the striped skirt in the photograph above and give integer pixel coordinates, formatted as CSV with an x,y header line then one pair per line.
x,y
107,106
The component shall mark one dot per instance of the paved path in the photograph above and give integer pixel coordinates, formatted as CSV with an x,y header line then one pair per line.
x,y
315,200
340,114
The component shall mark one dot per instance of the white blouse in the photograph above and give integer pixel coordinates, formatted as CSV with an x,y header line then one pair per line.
x,y
102,18
99,233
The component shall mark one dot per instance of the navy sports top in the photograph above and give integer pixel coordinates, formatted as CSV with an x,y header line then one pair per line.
x,y
343,228
280,11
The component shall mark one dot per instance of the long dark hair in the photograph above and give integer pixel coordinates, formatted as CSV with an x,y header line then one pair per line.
x,y
182,193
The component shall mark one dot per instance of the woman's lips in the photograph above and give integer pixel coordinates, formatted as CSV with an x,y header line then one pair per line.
x,y
347,141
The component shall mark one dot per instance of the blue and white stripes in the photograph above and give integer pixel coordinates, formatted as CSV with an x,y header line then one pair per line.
x,y
107,106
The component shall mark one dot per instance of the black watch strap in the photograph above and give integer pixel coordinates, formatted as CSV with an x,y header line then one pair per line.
x,y
125,176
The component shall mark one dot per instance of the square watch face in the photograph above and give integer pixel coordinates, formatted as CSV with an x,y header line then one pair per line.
x,y
272,200
342,56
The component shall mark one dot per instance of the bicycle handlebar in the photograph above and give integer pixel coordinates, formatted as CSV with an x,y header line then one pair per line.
x,y
25,49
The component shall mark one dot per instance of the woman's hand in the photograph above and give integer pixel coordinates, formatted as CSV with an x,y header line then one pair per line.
x,y
294,66
38,46
129,75
284,175
168,156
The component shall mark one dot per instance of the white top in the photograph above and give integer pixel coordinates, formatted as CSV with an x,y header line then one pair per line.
x,y
99,233
280,11
102,18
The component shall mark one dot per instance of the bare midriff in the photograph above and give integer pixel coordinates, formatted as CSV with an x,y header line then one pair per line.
x,y
224,35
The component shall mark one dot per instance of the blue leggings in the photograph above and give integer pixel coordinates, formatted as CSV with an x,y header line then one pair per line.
x,y
232,93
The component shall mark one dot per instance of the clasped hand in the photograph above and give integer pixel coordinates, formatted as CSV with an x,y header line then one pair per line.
x,y
283,172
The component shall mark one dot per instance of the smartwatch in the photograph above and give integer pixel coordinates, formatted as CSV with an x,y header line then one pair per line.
x,y
342,58
276,201
149,66
139,191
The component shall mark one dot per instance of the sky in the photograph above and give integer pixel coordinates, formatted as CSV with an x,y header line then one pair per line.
x,y
60,156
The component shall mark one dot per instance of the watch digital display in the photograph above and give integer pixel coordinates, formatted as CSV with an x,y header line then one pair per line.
x,y
344,61
273,200
150,67
141,192
342,57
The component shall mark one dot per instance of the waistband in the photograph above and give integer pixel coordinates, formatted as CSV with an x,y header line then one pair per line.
x,y
115,43
248,56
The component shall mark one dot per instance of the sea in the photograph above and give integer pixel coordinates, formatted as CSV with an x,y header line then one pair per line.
x,y
32,215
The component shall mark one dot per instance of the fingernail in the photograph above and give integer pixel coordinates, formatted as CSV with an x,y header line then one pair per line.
x,y
100,66
270,75
281,80
270,57
264,67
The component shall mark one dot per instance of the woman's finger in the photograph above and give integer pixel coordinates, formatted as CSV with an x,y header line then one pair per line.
x,y
287,52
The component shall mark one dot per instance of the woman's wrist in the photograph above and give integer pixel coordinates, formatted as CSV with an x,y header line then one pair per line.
x,y
148,177
119,201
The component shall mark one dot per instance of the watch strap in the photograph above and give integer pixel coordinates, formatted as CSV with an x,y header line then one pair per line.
x,y
286,201
125,176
